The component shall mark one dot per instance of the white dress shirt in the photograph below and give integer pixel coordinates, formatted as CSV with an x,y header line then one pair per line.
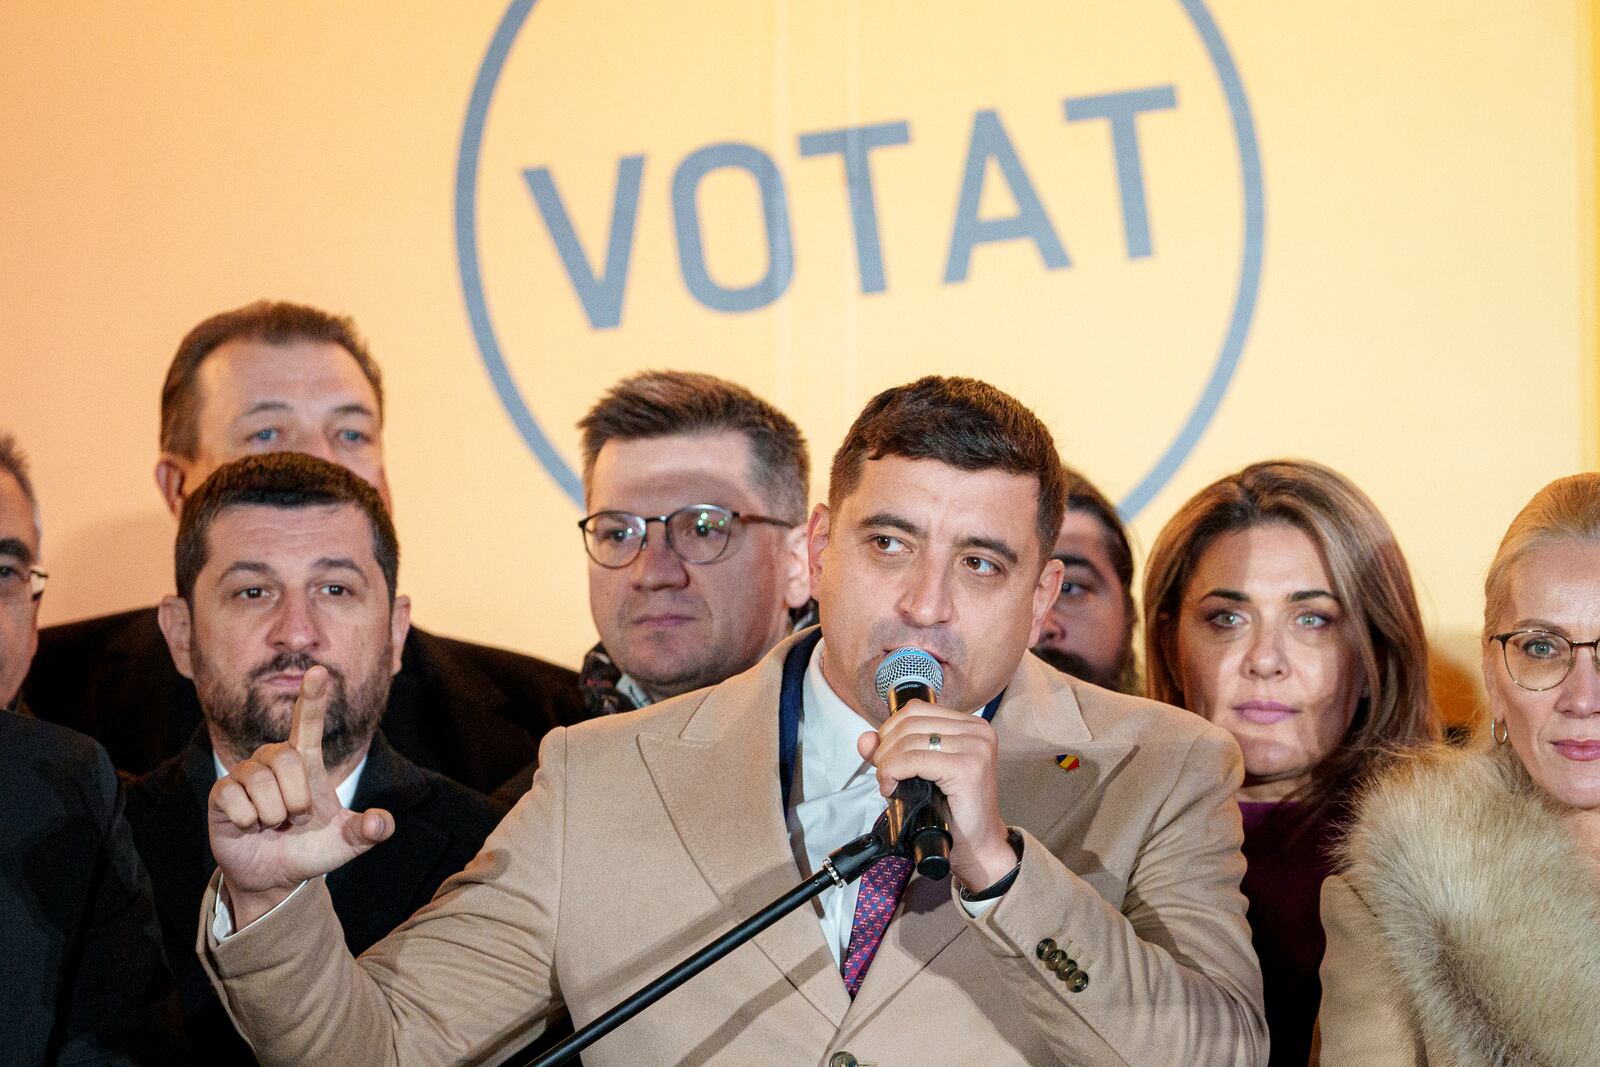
x,y
835,797
222,920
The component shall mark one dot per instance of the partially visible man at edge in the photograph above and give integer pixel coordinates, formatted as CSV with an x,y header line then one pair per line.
x,y
1092,915
1089,631
284,562
282,377
80,951
696,492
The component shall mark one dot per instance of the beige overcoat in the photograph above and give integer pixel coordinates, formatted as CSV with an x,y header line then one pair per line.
x,y
646,834
1466,927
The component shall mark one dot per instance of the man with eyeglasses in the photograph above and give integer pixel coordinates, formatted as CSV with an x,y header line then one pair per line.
x,y
21,579
85,980
696,493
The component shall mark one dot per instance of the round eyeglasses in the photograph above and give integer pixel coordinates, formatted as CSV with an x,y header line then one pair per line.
x,y
1538,659
20,584
699,533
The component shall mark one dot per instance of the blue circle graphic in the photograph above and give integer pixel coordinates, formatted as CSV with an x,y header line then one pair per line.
x,y
1171,458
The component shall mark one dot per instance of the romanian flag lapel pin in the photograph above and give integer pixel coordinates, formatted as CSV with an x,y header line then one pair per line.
x,y
1067,761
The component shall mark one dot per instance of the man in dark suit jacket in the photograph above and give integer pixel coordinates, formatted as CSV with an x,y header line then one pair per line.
x,y
80,952
274,377
439,827
288,564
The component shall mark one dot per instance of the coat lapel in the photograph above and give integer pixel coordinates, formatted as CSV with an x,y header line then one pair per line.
x,y
727,754
198,768
1040,724
718,780
379,889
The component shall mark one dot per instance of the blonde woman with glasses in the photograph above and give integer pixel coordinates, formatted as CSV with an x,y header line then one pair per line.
x,y
1465,928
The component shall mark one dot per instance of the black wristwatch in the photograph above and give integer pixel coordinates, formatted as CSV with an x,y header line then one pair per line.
x,y
1014,839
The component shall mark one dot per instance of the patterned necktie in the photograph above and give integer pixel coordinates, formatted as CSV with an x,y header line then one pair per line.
x,y
880,892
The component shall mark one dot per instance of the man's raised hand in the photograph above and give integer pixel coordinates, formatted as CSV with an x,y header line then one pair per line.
x,y
275,820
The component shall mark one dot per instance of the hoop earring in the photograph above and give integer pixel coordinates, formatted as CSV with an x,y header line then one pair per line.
x,y
1500,732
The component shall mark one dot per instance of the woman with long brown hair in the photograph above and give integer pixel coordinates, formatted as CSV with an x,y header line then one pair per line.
x,y
1278,605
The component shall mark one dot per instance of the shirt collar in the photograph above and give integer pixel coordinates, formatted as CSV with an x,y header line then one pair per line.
x,y
828,731
633,691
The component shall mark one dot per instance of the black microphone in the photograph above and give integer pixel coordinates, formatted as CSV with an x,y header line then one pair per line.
x,y
919,822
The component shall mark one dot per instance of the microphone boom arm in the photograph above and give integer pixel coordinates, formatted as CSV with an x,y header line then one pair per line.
x,y
843,866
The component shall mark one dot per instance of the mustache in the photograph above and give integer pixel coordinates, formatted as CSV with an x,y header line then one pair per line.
x,y
295,661
656,600
939,641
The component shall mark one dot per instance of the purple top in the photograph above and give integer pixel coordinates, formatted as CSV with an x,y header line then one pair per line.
x,y
1283,884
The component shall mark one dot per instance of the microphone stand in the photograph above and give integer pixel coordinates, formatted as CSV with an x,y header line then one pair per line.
x,y
843,866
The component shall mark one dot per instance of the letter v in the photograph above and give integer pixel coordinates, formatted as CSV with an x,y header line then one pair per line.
x,y
601,295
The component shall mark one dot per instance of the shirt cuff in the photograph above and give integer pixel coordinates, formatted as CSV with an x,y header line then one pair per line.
x,y
979,902
973,908
222,918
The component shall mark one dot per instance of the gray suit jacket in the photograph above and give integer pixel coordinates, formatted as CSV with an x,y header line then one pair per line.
x,y
646,834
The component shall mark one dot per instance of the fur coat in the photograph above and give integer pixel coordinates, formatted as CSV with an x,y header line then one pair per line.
x,y
1482,920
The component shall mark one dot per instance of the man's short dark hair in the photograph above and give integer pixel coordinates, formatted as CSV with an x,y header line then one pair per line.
x,y
962,423
15,463
274,322
662,403
285,480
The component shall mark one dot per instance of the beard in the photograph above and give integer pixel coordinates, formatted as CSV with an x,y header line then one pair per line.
x,y
1080,668
245,720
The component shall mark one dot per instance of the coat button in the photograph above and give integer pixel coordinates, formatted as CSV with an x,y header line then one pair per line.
x,y
1078,982
843,1059
1053,958
1045,948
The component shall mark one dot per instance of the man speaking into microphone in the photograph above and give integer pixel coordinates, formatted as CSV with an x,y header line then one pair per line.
x,y
1092,914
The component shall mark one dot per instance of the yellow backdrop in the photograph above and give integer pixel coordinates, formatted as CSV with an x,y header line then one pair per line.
x,y
1190,234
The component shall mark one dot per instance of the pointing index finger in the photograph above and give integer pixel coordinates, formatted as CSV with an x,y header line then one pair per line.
x,y
305,722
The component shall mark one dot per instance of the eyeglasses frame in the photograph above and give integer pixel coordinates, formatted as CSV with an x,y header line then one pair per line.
x,y
1592,646
37,577
665,521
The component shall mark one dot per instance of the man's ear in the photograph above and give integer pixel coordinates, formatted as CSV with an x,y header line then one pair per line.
x,y
817,531
796,568
177,626
1044,595
399,626
33,638
170,479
